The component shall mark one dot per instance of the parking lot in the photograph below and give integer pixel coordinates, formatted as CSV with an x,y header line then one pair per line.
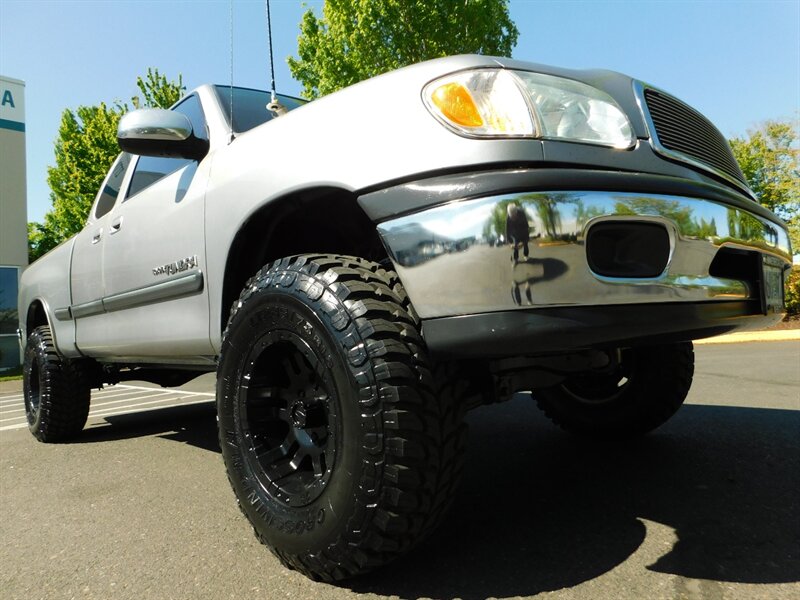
x,y
706,507
115,400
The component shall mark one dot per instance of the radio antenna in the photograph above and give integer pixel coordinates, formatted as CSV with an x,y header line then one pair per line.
x,y
271,63
230,98
275,107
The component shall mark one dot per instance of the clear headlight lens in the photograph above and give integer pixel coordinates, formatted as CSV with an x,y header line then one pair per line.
x,y
503,103
572,110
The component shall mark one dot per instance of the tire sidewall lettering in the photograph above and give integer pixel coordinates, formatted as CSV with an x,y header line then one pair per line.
x,y
275,310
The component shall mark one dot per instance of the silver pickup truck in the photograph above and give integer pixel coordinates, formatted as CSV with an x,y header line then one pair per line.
x,y
362,269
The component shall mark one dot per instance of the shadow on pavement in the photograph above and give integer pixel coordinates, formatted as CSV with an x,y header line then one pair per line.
x,y
194,424
539,510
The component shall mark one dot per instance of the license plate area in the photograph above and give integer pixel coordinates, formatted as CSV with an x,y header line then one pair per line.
x,y
772,300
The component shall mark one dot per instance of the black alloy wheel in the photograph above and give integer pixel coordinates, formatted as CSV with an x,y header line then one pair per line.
x,y
289,416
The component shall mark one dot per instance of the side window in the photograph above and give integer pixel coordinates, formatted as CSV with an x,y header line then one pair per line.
x,y
110,190
150,169
192,109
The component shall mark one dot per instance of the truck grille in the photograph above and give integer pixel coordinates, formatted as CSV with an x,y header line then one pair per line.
x,y
681,129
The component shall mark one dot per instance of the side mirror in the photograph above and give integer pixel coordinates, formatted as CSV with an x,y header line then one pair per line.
x,y
159,132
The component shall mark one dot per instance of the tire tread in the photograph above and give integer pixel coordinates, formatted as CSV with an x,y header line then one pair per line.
x,y
64,390
421,434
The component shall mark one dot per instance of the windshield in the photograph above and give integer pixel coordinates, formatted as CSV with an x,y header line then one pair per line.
x,y
250,106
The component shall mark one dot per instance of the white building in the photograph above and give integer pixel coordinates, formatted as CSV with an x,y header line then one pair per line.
x,y
13,214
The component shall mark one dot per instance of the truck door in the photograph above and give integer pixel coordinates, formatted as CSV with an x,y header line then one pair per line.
x,y
154,258
86,274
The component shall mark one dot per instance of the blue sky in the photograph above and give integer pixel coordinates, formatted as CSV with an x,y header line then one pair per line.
x,y
738,62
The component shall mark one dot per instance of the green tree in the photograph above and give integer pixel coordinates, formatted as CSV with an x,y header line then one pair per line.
x,y
793,291
547,209
358,39
672,209
770,160
85,148
157,90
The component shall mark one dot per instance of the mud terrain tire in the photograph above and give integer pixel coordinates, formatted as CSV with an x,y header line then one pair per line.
x,y
338,449
56,390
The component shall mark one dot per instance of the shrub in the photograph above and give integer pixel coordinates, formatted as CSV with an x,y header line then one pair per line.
x,y
793,291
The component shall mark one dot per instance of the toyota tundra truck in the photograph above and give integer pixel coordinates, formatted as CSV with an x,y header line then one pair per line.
x,y
361,270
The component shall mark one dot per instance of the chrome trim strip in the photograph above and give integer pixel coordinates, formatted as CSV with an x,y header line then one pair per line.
x,y
638,90
455,259
190,283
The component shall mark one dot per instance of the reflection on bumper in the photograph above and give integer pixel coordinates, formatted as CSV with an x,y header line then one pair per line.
x,y
527,250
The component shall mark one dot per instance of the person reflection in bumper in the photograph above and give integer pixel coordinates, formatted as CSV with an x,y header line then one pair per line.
x,y
517,231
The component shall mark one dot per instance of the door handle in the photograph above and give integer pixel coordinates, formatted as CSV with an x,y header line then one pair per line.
x,y
96,237
116,225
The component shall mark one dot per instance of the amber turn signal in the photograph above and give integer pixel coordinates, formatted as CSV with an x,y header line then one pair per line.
x,y
457,105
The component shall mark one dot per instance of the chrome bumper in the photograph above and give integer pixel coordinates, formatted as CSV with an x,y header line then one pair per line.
x,y
456,259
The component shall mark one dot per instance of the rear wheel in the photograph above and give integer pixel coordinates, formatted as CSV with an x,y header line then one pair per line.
x,y
647,386
56,390
339,451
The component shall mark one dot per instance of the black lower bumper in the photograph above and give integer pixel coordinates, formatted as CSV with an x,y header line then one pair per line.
x,y
544,330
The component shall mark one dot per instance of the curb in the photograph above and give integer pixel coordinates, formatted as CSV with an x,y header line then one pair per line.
x,y
782,335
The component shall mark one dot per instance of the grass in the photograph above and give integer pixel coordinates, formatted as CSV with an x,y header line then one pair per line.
x,y
11,374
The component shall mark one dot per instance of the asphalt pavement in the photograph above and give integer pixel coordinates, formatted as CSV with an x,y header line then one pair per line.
x,y
706,507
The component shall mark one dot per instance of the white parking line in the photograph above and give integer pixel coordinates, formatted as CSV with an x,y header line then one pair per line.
x,y
120,411
112,401
112,393
15,426
131,399
117,397
16,418
130,412
104,411
141,387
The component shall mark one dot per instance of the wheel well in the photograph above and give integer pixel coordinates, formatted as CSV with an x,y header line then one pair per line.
x,y
325,220
37,316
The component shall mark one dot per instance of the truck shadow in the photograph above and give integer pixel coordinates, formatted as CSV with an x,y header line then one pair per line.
x,y
193,424
539,510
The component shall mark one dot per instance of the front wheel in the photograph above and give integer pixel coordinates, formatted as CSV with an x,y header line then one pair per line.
x,y
339,452
645,388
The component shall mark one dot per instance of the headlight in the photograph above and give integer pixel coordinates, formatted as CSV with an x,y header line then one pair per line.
x,y
481,103
503,103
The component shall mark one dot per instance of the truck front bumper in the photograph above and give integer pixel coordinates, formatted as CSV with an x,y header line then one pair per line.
x,y
598,267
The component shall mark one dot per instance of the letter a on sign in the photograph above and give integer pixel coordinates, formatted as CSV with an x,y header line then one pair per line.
x,y
8,98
